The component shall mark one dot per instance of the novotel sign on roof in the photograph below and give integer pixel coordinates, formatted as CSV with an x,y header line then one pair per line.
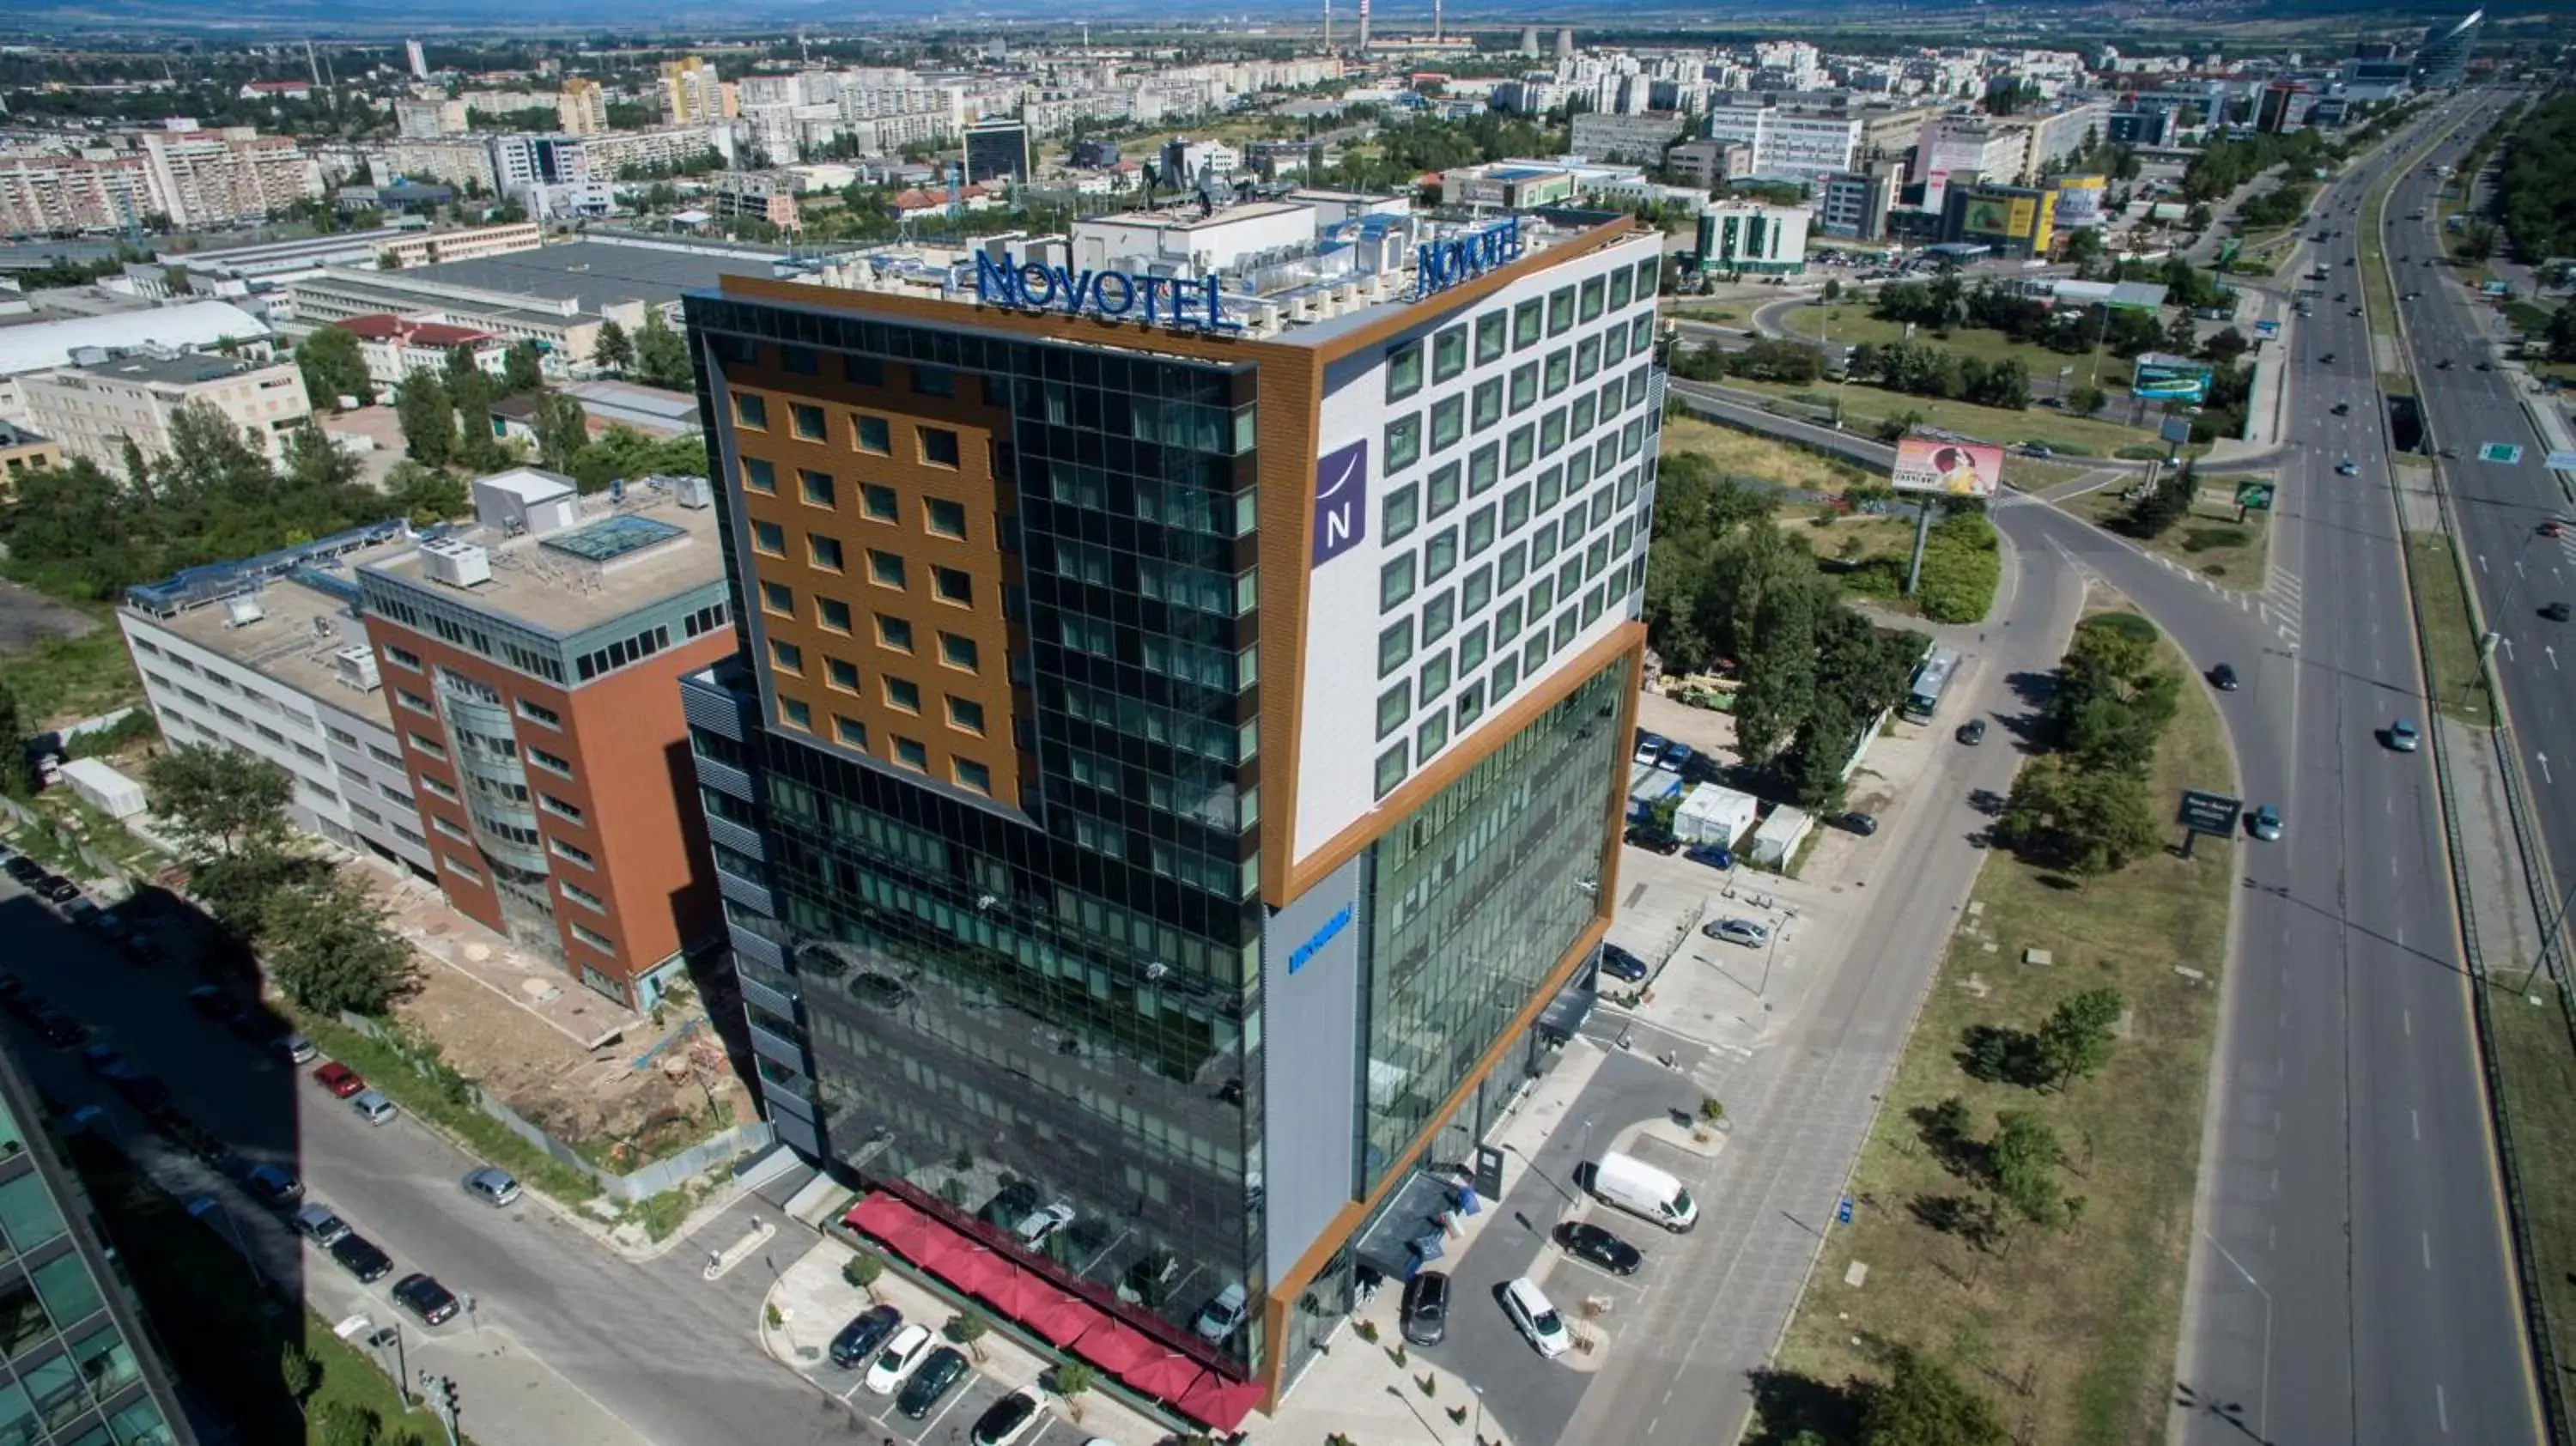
x,y
1439,265
1111,295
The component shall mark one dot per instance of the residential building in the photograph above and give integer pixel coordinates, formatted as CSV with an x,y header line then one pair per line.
x,y
396,346
997,152
268,656
21,452
1753,240
693,95
42,346
1638,139
213,178
1071,827
1854,204
419,61
464,164
1700,164
86,1367
533,663
1506,186
2442,61
2153,127
52,195
1788,143
762,195
428,118
581,108
94,410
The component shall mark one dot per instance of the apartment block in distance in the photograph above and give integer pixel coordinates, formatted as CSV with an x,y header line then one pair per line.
x,y
268,655
1166,801
531,663
94,410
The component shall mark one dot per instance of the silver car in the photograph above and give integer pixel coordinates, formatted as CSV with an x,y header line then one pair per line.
x,y
1738,931
491,1185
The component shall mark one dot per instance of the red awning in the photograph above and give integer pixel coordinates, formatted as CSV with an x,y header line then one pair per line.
x,y
1115,1348
973,1269
899,1225
1168,1376
1061,1318
1015,1292
935,1246
1221,1403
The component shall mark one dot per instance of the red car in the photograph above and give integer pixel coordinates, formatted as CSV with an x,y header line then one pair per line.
x,y
2553,528
339,1079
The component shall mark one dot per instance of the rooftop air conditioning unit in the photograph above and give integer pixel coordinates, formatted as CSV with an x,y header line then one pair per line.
x,y
693,492
455,563
357,668
243,610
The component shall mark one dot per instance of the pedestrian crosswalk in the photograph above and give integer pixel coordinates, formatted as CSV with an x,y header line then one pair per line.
x,y
2280,605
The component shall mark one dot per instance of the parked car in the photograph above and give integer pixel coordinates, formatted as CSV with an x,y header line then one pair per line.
x,y
2264,823
1006,1420
1973,732
2223,678
2403,737
423,1296
902,1352
2556,612
1715,856
931,1383
1650,746
359,1256
1536,1318
1653,838
1589,1242
373,1107
1042,1222
1676,756
211,1001
59,890
865,1335
1737,931
1426,1307
1858,822
339,1079
274,1185
298,1049
492,1185
60,1030
321,1225
1618,963
24,869
1222,1316
2553,528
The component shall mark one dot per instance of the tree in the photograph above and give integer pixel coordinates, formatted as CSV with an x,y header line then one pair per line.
x,y
863,1270
314,460
330,948
1072,1379
334,367
2164,503
428,418
524,369
460,362
220,801
13,746
477,445
563,429
211,453
299,1373
2562,333
426,495
2075,1040
2113,698
613,350
346,1423
966,1328
1923,1404
661,355
2087,400
2025,1156
2061,816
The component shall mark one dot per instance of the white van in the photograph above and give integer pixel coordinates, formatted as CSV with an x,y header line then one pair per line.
x,y
1641,1189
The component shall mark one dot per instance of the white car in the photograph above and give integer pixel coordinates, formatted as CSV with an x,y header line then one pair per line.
x,y
372,1107
898,1358
1043,1222
1538,1320
1220,1317
1737,931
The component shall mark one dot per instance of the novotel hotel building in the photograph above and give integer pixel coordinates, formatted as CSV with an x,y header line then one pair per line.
x,y
1170,779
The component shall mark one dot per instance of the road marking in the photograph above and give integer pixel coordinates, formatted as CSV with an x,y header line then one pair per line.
x,y
2415,1122
2442,1408
2406,1017
2428,1250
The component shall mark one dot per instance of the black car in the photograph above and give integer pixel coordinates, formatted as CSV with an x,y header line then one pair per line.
x,y
60,890
865,1335
2327,359
426,1298
1973,732
60,1030
1860,823
211,1001
24,869
2556,612
1586,1241
25,1005
1618,963
359,1256
1005,1419
2223,678
1426,1308
1652,839
932,1380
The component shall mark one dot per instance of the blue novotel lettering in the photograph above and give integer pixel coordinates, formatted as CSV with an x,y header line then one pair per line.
x,y
1439,265
1115,295
1341,920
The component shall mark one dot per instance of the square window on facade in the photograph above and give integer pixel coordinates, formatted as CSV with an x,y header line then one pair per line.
x,y
965,713
1587,358
933,381
971,776
1483,469
1399,514
1438,615
957,652
1394,581
778,597
1507,620
865,371
894,632
1440,555
770,538
1605,454
1516,507
1524,386
823,552
1432,736
832,613
1578,471
1560,370
1640,332
1590,310
872,434
1506,675
751,410
1403,370
1480,529
1403,442
1394,645
1534,652
1475,590
1560,311
1393,707
943,517
850,732
1434,677
885,569
815,487
1551,431
1620,288
1471,705
796,714
911,754
1448,421
1519,449
1471,649
902,693
1646,277
807,421
799,360
1490,337
1542,543
1582,415
1443,490
1486,404
786,656
878,502
1528,323
939,447
1390,769
1614,345
1449,353
841,673
758,475
952,585
1562,631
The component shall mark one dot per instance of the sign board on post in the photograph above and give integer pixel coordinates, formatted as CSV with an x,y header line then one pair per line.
x,y
1489,1172
2561,462
2211,813
1953,469
2505,453
2176,430
2267,329
2170,379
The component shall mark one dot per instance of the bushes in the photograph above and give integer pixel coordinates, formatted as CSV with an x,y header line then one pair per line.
x,y
1962,566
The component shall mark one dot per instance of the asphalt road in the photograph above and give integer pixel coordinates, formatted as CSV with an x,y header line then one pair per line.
x,y
669,1353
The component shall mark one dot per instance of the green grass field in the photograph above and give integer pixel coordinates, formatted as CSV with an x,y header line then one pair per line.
x,y
2069,435
2210,541
2450,638
63,680
2070,1330
1850,324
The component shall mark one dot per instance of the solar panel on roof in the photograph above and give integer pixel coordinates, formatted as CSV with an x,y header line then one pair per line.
x,y
613,537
